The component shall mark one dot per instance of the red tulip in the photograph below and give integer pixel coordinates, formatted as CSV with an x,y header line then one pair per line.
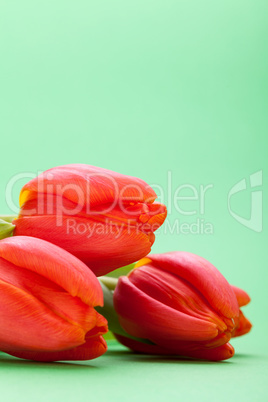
x,y
104,218
180,303
47,299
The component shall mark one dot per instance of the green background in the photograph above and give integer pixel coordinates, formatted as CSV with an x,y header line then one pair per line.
x,y
165,91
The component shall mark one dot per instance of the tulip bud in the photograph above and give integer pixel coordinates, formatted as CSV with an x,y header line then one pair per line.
x,y
104,218
182,304
47,300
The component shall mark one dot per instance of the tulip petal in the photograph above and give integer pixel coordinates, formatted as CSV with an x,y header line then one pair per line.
x,y
96,244
142,217
243,327
55,264
70,308
91,349
39,328
141,347
175,292
118,217
101,327
85,184
102,204
144,317
204,276
242,296
223,352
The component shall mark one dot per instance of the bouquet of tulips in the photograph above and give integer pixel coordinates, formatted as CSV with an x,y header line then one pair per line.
x,y
80,222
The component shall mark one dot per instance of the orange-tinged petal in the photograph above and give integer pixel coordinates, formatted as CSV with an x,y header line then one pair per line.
x,y
96,244
85,184
243,327
204,276
101,327
142,262
145,216
96,203
46,302
70,308
55,264
27,324
242,296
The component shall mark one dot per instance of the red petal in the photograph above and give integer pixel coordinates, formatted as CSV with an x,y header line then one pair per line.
x,y
102,247
55,264
204,276
223,352
142,316
243,327
220,353
101,327
70,308
91,349
174,292
242,296
140,216
85,184
39,328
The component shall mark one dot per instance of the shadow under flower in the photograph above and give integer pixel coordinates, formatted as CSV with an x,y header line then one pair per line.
x,y
9,360
128,355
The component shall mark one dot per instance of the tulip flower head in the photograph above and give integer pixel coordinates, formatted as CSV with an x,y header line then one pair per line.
x,y
182,304
104,218
47,300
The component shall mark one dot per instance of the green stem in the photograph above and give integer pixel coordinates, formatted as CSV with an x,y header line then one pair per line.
x,y
109,282
6,226
8,218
